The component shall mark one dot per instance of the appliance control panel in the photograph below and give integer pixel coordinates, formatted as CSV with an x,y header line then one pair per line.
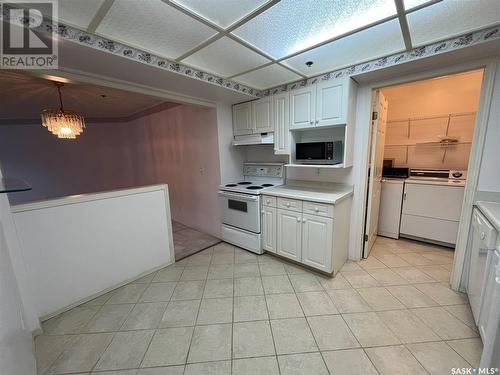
x,y
263,170
457,175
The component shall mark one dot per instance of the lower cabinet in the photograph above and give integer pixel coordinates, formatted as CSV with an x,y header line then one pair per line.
x,y
317,240
305,231
269,229
289,234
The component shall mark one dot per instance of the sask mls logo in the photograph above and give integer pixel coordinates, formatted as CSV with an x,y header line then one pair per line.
x,y
26,40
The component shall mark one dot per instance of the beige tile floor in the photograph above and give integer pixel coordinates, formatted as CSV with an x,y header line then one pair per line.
x,y
188,241
227,311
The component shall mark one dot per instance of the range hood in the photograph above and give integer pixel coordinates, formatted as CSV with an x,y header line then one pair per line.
x,y
254,139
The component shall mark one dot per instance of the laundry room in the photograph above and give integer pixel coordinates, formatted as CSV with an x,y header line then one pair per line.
x,y
421,149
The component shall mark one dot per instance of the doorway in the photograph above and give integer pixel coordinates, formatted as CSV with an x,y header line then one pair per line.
x,y
421,136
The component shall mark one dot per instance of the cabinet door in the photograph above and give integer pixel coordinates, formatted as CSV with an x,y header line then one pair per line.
x,y
289,234
281,113
331,103
317,234
242,119
263,115
302,107
269,229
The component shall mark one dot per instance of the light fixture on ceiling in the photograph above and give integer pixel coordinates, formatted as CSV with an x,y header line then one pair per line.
x,y
64,124
309,63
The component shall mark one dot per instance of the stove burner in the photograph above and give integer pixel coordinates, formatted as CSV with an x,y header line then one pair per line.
x,y
245,183
254,187
267,185
231,185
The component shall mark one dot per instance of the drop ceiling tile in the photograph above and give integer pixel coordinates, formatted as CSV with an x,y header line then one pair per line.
x,y
377,41
222,13
449,18
270,76
293,25
410,4
78,13
153,26
225,57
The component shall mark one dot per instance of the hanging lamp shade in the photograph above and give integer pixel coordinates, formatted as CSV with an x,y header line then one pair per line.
x,y
64,124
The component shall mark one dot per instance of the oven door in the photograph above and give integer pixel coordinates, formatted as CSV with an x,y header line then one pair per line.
x,y
241,210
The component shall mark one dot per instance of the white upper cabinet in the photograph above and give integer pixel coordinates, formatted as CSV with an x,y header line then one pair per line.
x,y
262,111
326,103
302,107
330,103
242,119
281,111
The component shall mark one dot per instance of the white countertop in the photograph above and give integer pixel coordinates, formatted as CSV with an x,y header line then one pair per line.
x,y
492,212
314,192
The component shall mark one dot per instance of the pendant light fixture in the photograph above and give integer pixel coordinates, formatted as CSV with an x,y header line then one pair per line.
x,y
64,124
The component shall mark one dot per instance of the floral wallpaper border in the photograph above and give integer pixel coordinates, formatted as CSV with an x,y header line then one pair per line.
x,y
90,40
459,42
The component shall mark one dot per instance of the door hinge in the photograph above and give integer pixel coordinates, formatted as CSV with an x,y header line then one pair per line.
x,y
374,115
366,237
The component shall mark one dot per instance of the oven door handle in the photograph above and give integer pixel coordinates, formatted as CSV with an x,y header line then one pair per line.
x,y
243,197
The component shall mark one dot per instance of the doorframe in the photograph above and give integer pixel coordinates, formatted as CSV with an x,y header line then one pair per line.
x,y
365,99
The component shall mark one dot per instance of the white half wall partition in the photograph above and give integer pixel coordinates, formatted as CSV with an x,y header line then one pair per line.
x,y
80,246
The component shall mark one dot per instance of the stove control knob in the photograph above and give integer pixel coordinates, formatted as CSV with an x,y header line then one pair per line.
x,y
457,174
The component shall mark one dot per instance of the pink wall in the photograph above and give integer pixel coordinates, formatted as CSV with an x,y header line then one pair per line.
x,y
177,146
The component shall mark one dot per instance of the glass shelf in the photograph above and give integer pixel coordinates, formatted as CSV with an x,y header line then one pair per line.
x,y
12,185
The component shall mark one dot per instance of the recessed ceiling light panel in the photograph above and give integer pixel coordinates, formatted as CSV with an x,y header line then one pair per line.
x,y
291,26
222,13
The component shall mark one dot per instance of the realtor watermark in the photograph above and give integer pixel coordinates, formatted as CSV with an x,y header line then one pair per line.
x,y
474,371
26,40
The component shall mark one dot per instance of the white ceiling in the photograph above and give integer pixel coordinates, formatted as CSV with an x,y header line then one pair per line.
x,y
24,96
264,43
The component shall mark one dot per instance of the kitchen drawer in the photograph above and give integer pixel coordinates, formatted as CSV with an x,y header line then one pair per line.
x,y
290,204
267,200
320,209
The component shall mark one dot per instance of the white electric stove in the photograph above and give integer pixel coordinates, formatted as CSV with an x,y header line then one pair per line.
x,y
241,204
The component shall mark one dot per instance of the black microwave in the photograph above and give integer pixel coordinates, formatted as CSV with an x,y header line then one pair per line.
x,y
319,152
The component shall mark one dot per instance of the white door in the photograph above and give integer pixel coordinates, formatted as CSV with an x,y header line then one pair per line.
x,y
269,229
281,114
242,119
377,144
317,243
263,115
303,107
289,234
330,106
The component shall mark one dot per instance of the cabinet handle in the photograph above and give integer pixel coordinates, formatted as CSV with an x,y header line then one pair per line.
x,y
483,235
316,209
317,121
298,220
311,122
404,196
288,204
268,201
262,212
303,220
